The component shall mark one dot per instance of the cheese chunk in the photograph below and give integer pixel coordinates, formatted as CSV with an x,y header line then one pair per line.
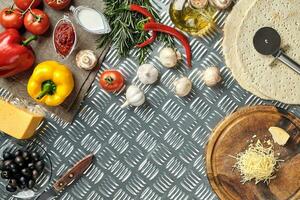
x,y
279,135
16,122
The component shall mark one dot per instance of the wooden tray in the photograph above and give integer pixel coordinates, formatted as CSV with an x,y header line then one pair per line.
x,y
233,135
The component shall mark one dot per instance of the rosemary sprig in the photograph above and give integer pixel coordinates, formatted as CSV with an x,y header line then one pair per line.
x,y
125,34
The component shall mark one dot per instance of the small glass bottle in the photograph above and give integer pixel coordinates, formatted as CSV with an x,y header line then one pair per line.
x,y
191,19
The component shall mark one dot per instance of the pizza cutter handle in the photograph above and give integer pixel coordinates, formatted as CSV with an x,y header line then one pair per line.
x,y
288,61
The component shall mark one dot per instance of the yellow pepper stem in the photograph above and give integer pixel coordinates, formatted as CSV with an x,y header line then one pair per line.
x,y
48,88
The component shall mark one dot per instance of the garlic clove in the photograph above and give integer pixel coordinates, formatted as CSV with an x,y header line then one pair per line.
x,y
147,74
168,57
86,59
134,97
183,86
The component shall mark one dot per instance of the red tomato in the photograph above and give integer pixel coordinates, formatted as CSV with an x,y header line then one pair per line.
x,y
24,4
11,18
37,22
111,80
58,4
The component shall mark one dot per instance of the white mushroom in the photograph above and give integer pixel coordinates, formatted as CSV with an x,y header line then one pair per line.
x,y
169,57
183,86
211,76
220,4
147,74
86,59
134,97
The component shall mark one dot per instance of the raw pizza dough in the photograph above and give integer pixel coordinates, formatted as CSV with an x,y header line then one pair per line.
x,y
232,25
279,81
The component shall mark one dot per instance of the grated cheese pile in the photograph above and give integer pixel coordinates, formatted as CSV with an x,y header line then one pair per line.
x,y
257,162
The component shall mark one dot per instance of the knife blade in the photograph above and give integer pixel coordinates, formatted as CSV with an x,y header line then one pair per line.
x,y
68,178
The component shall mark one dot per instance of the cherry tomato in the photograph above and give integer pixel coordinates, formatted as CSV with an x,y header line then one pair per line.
x,y
58,4
36,21
111,80
11,18
24,4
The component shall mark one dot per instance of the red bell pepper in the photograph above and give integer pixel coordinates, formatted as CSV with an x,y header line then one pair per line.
x,y
15,54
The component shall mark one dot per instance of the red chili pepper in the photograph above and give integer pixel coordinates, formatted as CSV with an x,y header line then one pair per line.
x,y
146,13
15,54
142,10
150,26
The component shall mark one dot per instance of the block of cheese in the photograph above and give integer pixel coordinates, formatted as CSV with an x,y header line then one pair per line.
x,y
18,122
279,135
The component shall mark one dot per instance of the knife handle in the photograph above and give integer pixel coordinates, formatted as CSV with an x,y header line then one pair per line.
x,y
73,174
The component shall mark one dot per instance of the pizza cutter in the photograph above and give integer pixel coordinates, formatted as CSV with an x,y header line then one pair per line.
x,y
267,42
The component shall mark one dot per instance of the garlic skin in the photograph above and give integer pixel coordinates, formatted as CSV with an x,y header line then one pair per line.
x,y
169,57
211,76
134,97
147,74
183,86
220,4
86,59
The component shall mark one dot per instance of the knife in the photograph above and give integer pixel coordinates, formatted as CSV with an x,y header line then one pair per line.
x,y
68,178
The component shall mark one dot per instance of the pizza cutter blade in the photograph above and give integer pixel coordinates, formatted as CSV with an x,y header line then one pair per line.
x,y
267,41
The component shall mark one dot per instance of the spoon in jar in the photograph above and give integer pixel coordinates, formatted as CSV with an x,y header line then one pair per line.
x,y
267,42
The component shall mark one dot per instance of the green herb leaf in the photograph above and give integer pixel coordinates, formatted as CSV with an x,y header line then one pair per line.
x,y
125,34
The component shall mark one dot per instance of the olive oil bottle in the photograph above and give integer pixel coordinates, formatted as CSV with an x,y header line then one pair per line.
x,y
192,20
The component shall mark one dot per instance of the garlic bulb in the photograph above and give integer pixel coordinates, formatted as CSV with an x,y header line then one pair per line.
x,y
199,3
169,57
220,4
211,76
86,59
134,97
183,86
147,74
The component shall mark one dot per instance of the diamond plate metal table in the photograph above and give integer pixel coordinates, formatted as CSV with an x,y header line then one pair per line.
x,y
155,151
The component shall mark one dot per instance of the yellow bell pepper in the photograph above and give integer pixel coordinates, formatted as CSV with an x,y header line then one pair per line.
x,y
51,83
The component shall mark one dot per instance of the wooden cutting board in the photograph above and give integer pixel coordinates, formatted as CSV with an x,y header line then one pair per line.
x,y
233,135
44,50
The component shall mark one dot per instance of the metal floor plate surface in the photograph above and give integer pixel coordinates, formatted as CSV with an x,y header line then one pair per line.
x,y
155,151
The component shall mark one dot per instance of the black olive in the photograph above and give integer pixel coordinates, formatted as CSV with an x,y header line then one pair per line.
x,y
7,155
17,175
22,182
35,156
30,184
1,164
5,174
14,171
19,161
10,188
13,182
26,156
13,168
22,186
26,172
31,166
18,153
6,164
13,165
39,165
35,174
